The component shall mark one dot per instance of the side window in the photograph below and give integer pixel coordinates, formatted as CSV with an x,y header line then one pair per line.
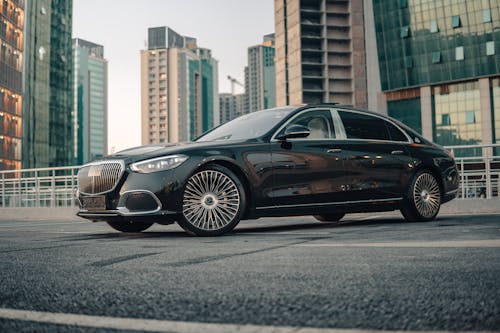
x,y
395,133
319,123
362,126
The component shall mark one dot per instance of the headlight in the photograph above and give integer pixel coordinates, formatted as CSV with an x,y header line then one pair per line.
x,y
158,164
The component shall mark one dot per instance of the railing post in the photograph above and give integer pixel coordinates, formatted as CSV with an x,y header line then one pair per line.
x,y
487,165
462,177
72,194
20,184
37,190
3,190
53,190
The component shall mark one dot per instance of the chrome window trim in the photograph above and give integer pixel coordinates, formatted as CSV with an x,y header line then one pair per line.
x,y
335,114
331,203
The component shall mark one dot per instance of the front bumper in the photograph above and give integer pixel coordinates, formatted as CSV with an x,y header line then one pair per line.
x,y
155,197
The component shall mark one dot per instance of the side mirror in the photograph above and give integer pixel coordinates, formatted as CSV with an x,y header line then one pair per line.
x,y
293,132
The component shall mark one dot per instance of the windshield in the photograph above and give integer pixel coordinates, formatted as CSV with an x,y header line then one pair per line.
x,y
249,126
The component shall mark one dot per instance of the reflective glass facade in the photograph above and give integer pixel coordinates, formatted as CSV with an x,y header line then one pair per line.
x,y
495,94
48,89
457,114
260,80
424,42
11,100
90,104
407,111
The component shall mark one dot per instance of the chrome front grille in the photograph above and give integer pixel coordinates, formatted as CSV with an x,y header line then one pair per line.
x,y
100,177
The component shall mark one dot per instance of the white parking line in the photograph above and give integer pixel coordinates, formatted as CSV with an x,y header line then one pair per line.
x,y
36,224
438,244
151,325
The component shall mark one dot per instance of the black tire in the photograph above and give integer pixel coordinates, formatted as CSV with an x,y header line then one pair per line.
x,y
214,201
129,226
423,200
331,217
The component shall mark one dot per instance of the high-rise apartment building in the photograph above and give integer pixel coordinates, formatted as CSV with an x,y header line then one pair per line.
x,y
48,90
11,59
320,52
90,101
179,88
260,83
231,106
440,67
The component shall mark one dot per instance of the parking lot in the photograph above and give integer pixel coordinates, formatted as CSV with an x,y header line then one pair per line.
x,y
371,272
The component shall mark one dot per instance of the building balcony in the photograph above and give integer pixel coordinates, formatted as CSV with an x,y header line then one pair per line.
x,y
312,36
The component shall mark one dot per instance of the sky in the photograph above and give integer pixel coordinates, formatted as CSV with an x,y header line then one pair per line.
x,y
227,27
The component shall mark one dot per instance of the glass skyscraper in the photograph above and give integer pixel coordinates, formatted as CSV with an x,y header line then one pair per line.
x,y
260,82
90,101
440,67
11,59
48,90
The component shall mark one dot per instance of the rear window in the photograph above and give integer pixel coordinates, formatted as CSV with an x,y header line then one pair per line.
x,y
362,126
395,133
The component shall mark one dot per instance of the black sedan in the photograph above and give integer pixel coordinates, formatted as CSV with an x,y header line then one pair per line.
x,y
322,160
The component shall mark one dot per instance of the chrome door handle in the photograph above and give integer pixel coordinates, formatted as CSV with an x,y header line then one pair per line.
x,y
397,152
334,150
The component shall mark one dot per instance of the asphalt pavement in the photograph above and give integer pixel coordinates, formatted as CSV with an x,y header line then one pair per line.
x,y
371,272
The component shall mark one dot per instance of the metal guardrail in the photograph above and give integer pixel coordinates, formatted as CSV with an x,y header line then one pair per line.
x,y
44,187
55,187
479,175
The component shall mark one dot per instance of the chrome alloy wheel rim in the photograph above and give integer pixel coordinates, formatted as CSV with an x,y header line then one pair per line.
x,y
426,195
211,200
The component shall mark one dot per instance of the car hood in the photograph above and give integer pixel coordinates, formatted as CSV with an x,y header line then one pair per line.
x,y
140,153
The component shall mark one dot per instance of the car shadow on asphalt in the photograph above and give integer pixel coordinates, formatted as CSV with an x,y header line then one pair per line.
x,y
247,228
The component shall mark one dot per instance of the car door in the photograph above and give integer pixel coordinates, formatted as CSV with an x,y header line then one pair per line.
x,y
307,171
377,162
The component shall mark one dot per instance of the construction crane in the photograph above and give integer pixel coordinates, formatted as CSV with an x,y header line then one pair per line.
x,y
233,82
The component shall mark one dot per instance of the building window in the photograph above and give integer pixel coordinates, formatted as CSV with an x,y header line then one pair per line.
x,y
434,26
459,53
486,15
455,21
445,119
405,31
403,3
470,117
436,57
408,62
490,48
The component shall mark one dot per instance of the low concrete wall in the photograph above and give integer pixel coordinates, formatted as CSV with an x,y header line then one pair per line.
x,y
472,206
467,206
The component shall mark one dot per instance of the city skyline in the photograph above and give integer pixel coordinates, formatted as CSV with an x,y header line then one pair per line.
x,y
228,28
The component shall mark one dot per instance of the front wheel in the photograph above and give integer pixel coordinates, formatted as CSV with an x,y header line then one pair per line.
x,y
129,226
213,202
423,198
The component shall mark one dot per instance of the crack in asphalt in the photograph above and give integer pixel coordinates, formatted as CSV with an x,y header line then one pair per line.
x,y
112,261
203,260
37,248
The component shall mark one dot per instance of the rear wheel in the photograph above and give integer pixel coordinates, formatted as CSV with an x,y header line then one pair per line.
x,y
423,198
213,202
332,217
129,226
